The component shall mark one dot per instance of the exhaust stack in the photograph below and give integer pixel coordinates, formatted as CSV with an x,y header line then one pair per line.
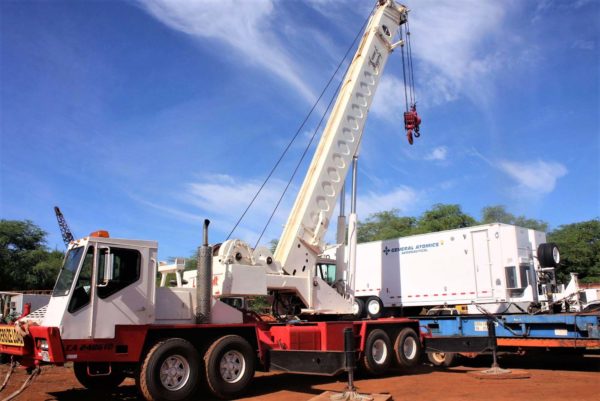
x,y
204,279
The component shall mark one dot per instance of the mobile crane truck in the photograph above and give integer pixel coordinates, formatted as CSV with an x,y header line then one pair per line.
x,y
108,317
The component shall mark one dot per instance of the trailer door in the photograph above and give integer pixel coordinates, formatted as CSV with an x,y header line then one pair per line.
x,y
482,263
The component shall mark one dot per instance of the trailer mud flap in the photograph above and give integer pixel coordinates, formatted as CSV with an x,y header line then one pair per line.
x,y
458,344
326,363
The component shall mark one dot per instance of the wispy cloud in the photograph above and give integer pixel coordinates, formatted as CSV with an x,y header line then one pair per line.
x,y
584,44
401,198
387,105
437,154
539,176
246,26
450,47
223,199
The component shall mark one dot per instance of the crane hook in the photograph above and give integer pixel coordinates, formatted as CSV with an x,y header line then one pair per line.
x,y
412,123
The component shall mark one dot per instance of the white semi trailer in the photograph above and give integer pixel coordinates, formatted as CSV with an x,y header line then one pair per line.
x,y
499,267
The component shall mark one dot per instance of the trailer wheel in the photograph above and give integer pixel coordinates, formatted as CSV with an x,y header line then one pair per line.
x,y
441,359
374,307
548,254
100,382
229,363
358,308
170,371
407,348
377,355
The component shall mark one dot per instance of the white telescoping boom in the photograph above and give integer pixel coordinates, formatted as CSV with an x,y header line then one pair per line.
x,y
291,269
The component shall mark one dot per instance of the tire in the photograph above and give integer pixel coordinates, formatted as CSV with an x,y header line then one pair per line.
x,y
229,366
377,356
407,348
548,255
103,383
374,307
170,371
358,308
442,359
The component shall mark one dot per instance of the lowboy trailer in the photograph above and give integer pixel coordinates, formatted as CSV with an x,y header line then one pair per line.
x,y
446,336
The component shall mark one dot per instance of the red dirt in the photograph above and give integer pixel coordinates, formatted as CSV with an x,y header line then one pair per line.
x,y
551,378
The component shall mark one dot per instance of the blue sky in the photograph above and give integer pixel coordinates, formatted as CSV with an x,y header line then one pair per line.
x,y
144,118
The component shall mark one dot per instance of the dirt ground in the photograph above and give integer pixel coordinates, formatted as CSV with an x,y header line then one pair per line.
x,y
552,377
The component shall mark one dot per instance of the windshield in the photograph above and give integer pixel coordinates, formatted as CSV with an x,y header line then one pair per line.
x,y
68,272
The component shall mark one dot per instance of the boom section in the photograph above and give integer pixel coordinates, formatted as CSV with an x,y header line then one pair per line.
x,y
302,239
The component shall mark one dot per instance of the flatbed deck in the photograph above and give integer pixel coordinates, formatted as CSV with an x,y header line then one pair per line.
x,y
469,333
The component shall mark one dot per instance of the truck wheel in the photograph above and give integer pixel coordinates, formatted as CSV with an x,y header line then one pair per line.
x,y
374,307
358,308
441,359
548,255
229,363
170,371
377,355
407,348
101,382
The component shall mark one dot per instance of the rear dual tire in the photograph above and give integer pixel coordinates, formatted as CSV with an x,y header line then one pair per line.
x,y
407,348
229,364
379,354
172,369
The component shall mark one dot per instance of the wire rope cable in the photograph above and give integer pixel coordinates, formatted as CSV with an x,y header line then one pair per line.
x,y
403,70
298,164
411,75
305,120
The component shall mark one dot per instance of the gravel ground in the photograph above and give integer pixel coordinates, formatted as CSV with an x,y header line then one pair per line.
x,y
552,377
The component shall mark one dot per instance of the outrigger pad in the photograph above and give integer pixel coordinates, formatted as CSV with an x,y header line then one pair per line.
x,y
327,396
500,374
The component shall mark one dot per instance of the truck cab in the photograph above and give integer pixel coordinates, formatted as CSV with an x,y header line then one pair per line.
x,y
102,276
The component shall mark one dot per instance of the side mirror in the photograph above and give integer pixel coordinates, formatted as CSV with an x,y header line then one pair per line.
x,y
105,267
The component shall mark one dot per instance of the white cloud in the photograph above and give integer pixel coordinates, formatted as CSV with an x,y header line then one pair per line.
x,y
400,198
539,176
246,26
584,44
438,154
387,104
225,198
448,40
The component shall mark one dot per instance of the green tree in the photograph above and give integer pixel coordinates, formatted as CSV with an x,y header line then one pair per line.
x,y
385,225
498,214
25,262
443,217
579,245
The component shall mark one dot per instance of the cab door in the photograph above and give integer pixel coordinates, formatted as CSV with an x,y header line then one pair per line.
x,y
123,289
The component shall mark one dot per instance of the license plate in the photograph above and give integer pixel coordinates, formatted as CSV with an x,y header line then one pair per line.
x,y
9,336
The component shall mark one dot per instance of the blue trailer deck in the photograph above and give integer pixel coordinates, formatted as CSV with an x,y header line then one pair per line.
x,y
469,333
